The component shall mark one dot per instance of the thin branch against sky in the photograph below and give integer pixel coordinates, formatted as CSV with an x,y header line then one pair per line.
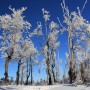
x,y
84,5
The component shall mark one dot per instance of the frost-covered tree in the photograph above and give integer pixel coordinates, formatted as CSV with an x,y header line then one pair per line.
x,y
58,68
30,52
54,44
22,72
12,27
50,45
76,25
25,53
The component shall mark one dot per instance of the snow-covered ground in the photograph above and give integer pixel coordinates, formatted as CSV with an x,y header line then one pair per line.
x,y
53,87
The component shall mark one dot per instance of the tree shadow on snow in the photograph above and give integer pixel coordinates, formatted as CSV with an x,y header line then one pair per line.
x,y
2,88
7,88
87,85
71,85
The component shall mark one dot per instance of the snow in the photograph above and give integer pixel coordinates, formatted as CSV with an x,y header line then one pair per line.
x,y
19,87
52,87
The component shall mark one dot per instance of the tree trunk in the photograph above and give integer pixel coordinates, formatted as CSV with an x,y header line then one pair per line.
x,y
82,73
53,66
48,66
70,75
17,79
27,74
71,72
31,76
50,79
31,70
49,73
71,57
22,77
6,65
6,69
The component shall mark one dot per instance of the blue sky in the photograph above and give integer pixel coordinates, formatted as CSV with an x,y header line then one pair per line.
x,y
34,14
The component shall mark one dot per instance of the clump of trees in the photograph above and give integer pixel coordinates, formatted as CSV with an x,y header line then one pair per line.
x,y
50,46
17,45
77,28
12,27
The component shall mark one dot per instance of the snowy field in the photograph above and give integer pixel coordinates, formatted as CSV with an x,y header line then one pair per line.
x,y
53,87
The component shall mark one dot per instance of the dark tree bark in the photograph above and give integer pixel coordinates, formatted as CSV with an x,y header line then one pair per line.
x,y
6,69
72,71
17,78
82,72
7,63
53,64
71,58
31,70
70,75
28,73
48,66
50,79
22,76
53,72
